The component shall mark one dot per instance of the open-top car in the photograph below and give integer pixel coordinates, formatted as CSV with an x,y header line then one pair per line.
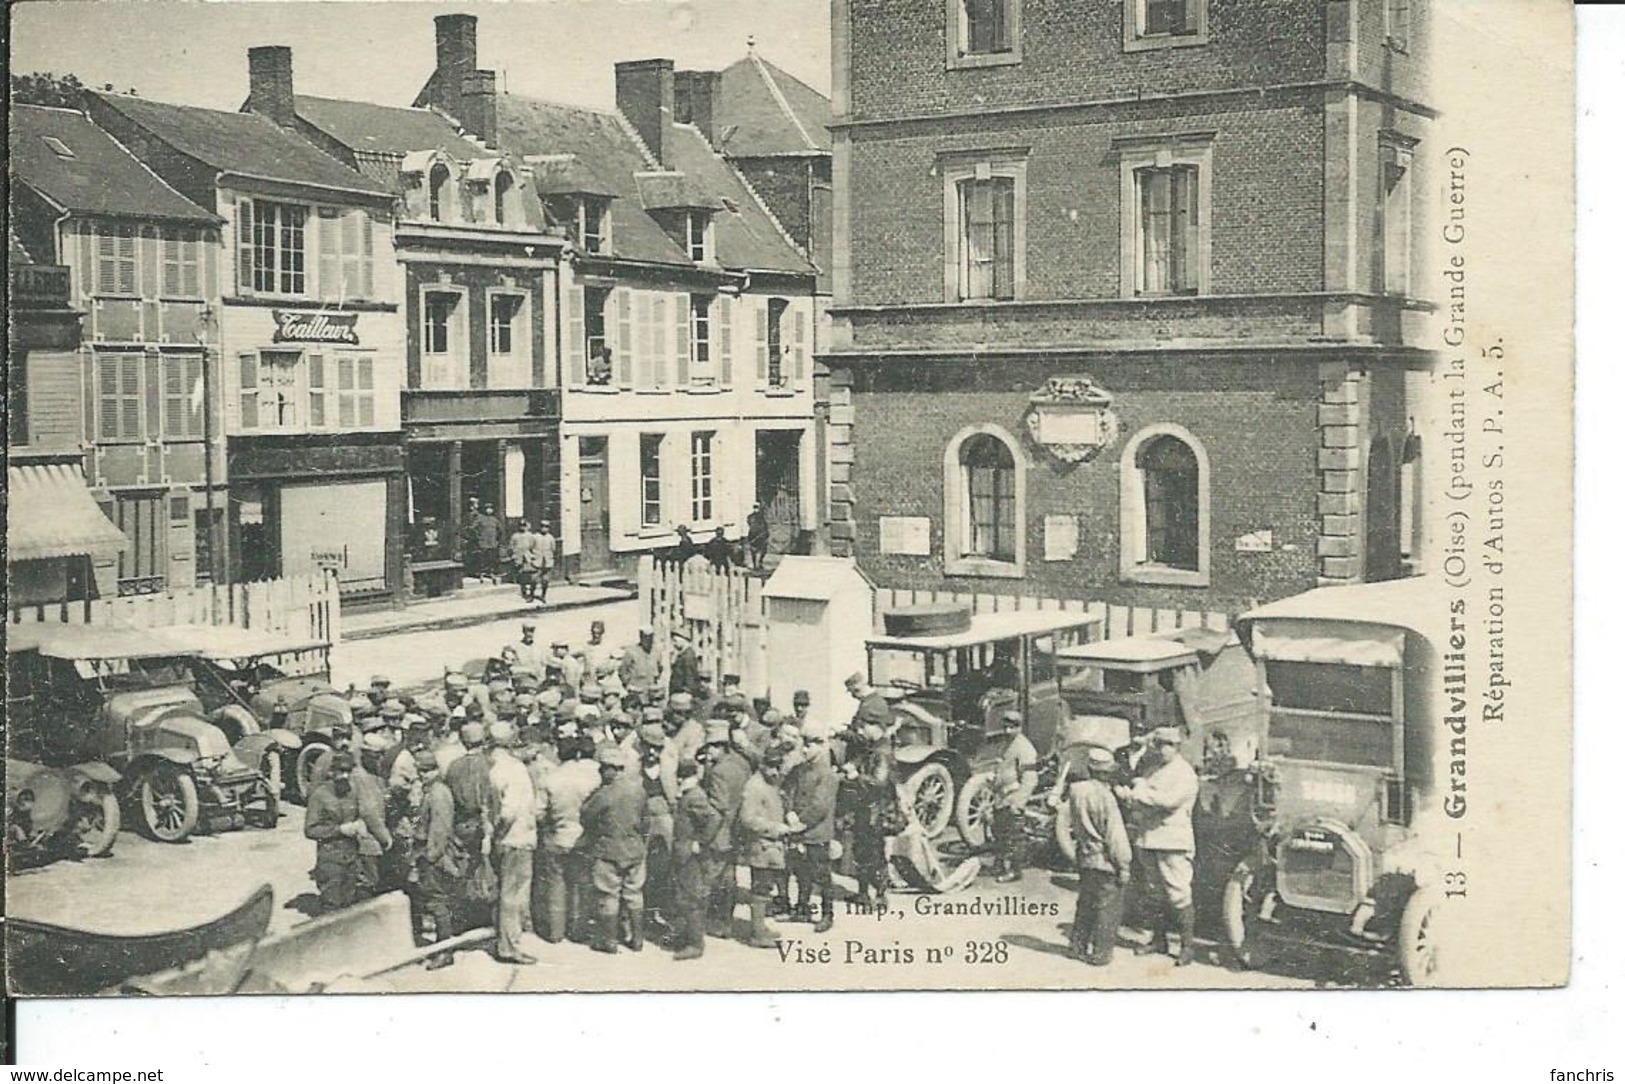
x,y
1346,769
257,681
125,697
950,687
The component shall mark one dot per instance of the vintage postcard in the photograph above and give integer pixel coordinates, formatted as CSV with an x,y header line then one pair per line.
x,y
770,495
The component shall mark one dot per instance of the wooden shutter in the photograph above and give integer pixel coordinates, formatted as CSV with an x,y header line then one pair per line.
x,y
577,336
644,362
365,414
761,339
329,277
660,369
624,350
685,316
722,326
245,246
248,386
366,254
798,349
106,261
320,415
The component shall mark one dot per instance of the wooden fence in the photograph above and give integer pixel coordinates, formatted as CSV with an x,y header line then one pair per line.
x,y
725,613
306,606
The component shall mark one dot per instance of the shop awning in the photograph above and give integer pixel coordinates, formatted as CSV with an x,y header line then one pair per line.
x,y
50,513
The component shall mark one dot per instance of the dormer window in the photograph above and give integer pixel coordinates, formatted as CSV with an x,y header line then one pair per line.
x,y
699,229
502,193
439,192
584,218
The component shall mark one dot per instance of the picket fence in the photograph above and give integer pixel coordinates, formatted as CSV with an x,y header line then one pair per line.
x,y
300,606
725,613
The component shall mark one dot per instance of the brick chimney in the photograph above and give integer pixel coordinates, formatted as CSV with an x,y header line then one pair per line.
x,y
699,91
644,95
479,105
455,52
270,83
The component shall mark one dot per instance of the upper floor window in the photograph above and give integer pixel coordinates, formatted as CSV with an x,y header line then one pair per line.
x,y
1164,509
698,228
983,32
445,340
984,238
584,218
183,395
1394,213
344,253
600,365
271,246
268,384
699,338
182,262
502,197
507,340
292,390
649,445
115,260
506,310
1151,24
118,397
440,193
776,309
700,450
1166,228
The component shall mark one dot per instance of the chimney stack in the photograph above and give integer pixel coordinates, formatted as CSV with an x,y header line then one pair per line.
x,y
270,83
455,50
479,110
644,92
700,90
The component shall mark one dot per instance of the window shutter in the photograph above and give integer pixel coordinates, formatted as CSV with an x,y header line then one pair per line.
x,y
684,316
644,362
366,253
761,342
798,353
318,390
248,380
364,388
660,369
329,279
624,351
106,261
722,315
245,246
578,336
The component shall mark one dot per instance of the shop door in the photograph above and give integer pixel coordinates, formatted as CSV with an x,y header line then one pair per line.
x,y
778,486
594,471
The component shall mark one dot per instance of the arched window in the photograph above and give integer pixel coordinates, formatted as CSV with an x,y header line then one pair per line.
x,y
984,497
1164,508
439,192
501,194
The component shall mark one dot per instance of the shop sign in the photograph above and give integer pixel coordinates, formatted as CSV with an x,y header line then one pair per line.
x,y
315,327
1071,418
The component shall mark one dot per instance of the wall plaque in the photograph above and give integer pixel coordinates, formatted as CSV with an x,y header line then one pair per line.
x,y
1071,418
906,535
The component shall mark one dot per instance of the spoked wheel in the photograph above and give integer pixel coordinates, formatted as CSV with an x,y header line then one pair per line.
x,y
99,823
1242,896
973,812
169,805
1419,938
304,765
267,800
931,795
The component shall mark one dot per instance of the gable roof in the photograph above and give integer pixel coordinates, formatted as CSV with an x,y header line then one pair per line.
x,y
747,236
387,129
101,177
246,144
762,111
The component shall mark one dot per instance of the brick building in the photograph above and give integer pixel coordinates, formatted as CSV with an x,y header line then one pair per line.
x,y
480,406
310,328
115,365
686,315
1128,295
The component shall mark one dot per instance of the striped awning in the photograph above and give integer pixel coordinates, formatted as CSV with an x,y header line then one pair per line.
x,y
50,513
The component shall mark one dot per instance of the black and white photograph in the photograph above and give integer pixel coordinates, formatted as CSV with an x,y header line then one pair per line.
x,y
553,497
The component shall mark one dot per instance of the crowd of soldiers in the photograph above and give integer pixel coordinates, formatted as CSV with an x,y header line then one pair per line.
x,y
612,797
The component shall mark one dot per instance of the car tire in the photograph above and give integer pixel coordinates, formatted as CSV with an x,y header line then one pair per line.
x,y
973,809
1239,892
303,765
167,797
99,823
931,787
1418,938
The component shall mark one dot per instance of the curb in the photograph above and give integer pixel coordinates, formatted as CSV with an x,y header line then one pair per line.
x,y
443,624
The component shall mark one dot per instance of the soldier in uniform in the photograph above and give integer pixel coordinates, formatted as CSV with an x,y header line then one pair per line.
x,y
800,705
810,790
762,829
333,820
1104,858
1015,778
872,706
615,823
696,823
726,772
660,788
559,911
442,864
870,806
547,559
1160,800
528,653
513,816
523,557
685,665
469,779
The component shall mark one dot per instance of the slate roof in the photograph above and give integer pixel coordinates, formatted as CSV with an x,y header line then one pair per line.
x,y
387,129
102,177
565,174
747,237
242,143
762,111
674,191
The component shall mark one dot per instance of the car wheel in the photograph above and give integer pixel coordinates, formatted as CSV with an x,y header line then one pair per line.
x,y
1240,897
304,764
1418,938
99,823
169,805
931,796
269,805
974,810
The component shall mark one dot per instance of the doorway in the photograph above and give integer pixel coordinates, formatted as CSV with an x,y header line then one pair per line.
x,y
594,472
778,486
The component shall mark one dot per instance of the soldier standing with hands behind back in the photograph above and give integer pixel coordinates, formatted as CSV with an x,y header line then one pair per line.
x,y
1161,799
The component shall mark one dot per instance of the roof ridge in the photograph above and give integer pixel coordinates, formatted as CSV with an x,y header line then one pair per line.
x,y
762,68
52,108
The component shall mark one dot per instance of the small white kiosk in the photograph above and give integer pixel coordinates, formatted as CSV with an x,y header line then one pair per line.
x,y
820,612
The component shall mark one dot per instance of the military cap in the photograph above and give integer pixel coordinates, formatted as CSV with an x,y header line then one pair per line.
x,y
425,761
392,709
376,741
1011,715
561,643
525,700
856,680
622,721
504,733
359,704
801,698
1101,759
654,714
652,736
613,756
682,701
772,717
587,712
456,679
370,723
591,693
681,634
379,679
527,625
472,735
415,720
1165,735
716,732
550,697
618,654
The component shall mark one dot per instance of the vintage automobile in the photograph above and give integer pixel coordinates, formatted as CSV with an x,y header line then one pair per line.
x,y
54,813
1344,776
950,686
125,697
258,682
